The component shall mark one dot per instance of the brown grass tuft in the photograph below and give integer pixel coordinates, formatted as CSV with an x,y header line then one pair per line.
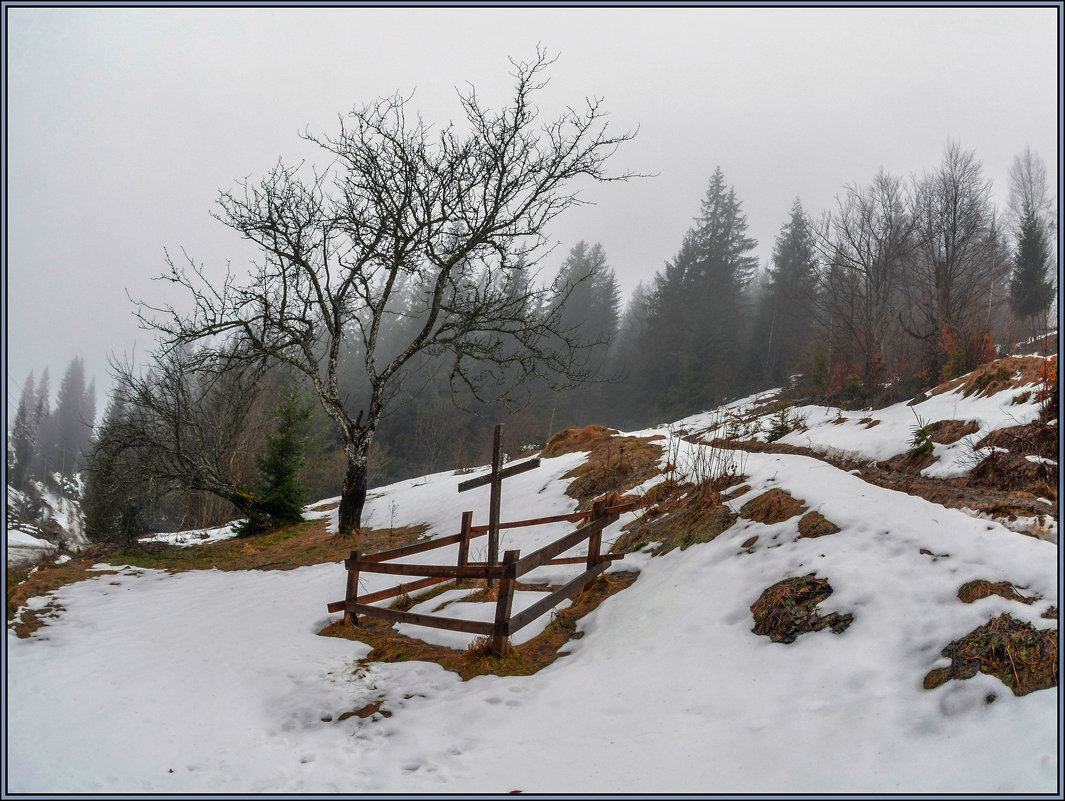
x,y
815,524
615,465
993,377
577,440
772,506
698,516
975,590
1021,656
945,432
789,608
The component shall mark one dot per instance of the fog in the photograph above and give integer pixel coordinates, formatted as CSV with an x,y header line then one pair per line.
x,y
123,125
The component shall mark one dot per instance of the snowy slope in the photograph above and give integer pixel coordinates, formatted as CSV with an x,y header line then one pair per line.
x,y
216,682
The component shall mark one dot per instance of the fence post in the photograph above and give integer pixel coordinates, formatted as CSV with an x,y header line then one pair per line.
x,y
351,595
595,539
464,546
504,602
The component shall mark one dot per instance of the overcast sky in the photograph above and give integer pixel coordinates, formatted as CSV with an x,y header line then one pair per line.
x,y
123,124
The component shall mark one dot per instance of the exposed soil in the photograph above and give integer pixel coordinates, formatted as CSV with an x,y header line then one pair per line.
x,y
691,515
615,464
993,377
815,524
946,432
789,608
1021,656
773,506
980,588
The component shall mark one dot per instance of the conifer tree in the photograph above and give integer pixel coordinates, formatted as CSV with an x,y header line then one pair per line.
x,y
280,463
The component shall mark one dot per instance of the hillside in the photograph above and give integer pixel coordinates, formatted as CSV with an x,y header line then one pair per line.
x,y
812,587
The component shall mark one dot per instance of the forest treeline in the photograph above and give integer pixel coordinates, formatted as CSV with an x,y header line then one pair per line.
x,y
903,283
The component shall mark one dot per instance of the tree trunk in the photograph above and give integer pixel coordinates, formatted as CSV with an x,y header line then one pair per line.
x,y
353,497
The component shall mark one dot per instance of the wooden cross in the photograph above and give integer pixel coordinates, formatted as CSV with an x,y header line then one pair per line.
x,y
495,478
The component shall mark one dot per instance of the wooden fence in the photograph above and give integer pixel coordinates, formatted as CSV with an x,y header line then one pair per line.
x,y
512,567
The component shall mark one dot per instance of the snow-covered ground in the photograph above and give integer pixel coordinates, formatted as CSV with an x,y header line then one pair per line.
x,y
216,682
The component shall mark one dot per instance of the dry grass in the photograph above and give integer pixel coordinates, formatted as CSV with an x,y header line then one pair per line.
x,y
773,506
947,431
477,660
789,608
615,464
975,590
698,515
815,524
993,377
48,577
1021,656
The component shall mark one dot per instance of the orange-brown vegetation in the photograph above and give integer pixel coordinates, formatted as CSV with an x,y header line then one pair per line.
x,y
1021,656
975,590
815,524
615,464
692,515
993,377
772,506
789,608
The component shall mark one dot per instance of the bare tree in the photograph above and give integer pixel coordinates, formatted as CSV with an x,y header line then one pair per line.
x,y
949,279
186,425
450,213
863,248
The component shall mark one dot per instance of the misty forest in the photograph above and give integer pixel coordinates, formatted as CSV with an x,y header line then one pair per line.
x,y
846,438
450,319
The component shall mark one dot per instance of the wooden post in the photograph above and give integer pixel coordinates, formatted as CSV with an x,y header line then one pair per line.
x,y
504,602
494,498
595,541
351,595
464,544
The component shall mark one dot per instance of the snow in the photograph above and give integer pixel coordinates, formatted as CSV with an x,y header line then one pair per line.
x,y
216,682
23,547
195,536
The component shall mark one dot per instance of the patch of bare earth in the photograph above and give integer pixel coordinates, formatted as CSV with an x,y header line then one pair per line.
x,y
615,463
686,516
973,591
1021,656
994,377
946,432
790,608
773,506
815,524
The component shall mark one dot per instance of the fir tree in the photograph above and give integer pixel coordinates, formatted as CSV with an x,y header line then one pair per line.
x,y
280,463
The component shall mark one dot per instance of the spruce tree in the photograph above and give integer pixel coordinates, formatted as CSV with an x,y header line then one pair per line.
x,y
280,463
697,322
1031,291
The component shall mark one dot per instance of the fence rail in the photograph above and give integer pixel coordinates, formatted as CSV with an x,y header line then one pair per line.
x,y
512,567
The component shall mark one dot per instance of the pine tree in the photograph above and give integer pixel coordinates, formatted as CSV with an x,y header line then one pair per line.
x,y
697,321
74,413
23,440
1031,291
280,463
785,317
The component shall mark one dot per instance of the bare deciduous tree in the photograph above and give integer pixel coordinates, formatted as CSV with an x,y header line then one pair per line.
x,y
950,276
863,248
448,212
